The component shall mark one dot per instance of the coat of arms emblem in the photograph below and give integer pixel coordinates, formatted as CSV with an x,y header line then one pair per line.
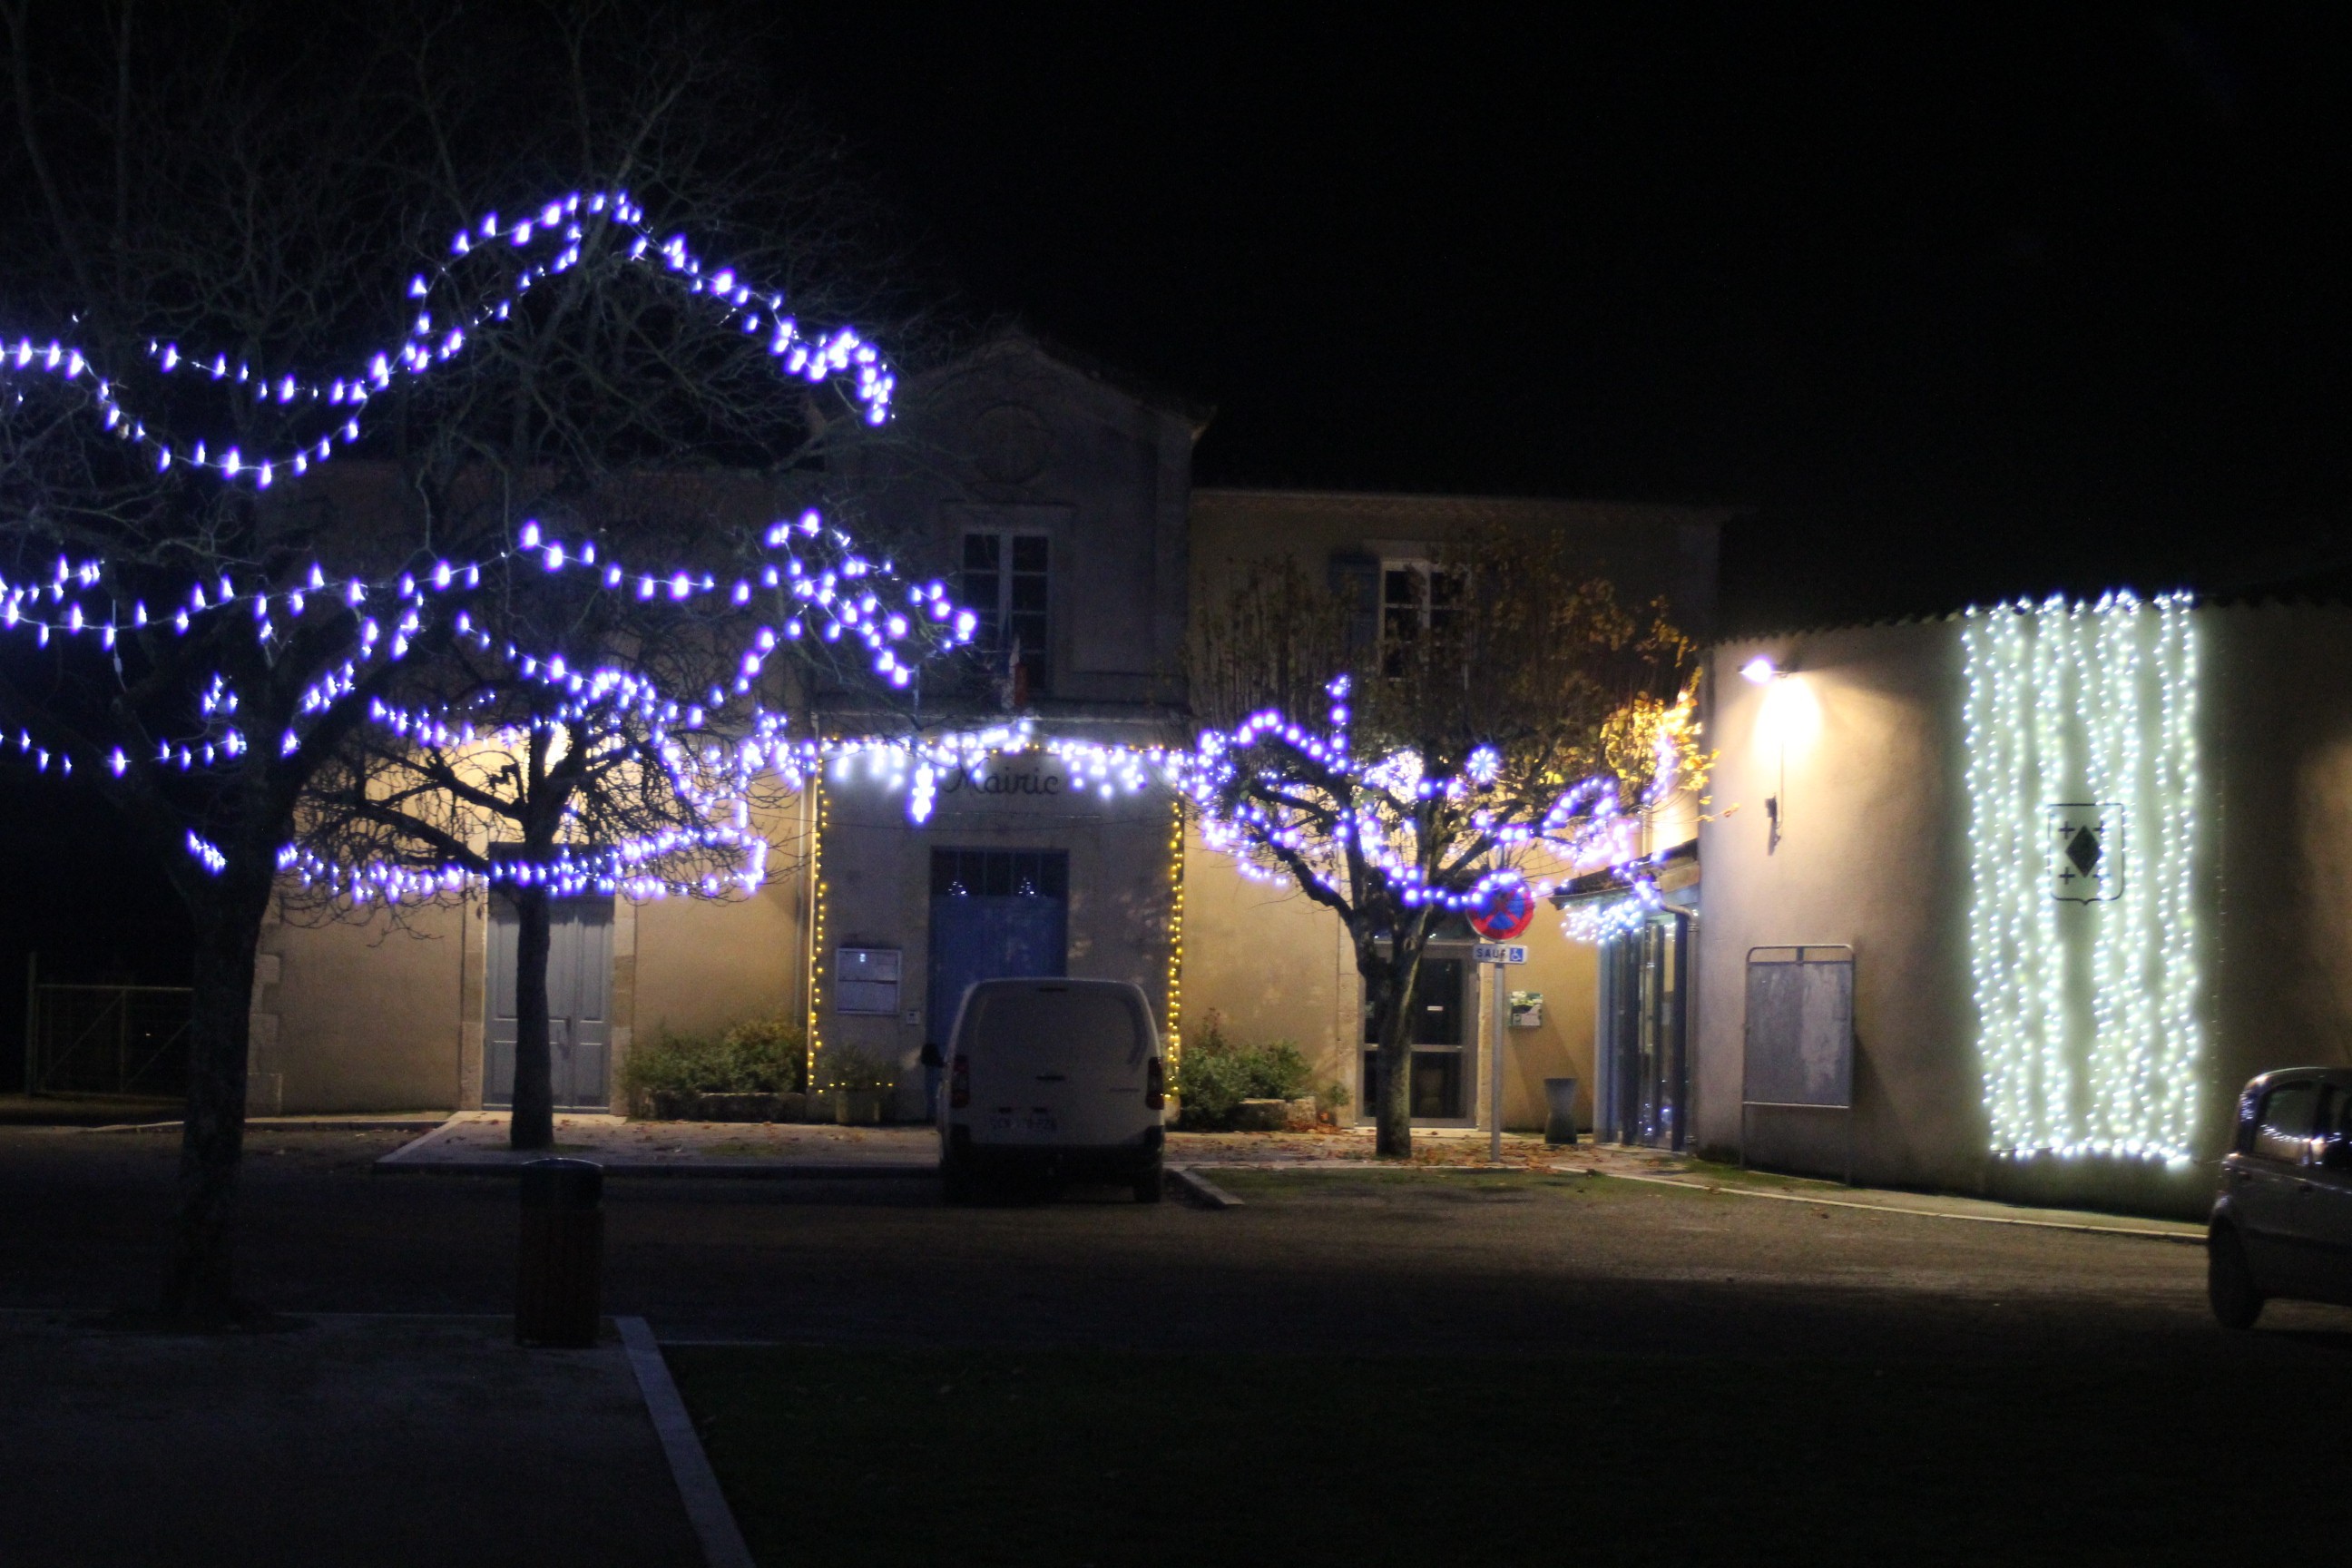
x,y
2086,851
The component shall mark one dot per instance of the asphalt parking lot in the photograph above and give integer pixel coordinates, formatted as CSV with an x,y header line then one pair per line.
x,y
1358,1263
1352,1367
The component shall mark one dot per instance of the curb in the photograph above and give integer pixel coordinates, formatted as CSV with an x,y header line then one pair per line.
x,y
297,1124
2178,1237
712,1170
1201,1190
689,1466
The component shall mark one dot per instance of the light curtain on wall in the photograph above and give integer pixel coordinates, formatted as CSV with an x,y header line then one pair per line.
x,y
2082,785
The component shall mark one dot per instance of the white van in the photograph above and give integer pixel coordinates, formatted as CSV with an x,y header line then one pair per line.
x,y
1058,1079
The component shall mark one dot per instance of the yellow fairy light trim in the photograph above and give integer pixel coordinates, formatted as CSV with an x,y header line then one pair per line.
x,y
817,930
1175,933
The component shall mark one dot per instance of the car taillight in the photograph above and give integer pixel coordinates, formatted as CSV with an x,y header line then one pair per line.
x,y
1155,1086
959,1082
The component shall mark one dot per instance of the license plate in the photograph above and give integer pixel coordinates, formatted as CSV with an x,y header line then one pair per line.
x,y
1044,1124
999,1124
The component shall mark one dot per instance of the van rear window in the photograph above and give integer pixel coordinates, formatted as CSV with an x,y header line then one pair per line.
x,y
1103,1019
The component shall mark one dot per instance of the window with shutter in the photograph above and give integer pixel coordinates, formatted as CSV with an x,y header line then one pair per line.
x,y
1006,582
1356,579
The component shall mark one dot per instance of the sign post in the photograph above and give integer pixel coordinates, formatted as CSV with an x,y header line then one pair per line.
x,y
1498,957
1507,910
1500,1007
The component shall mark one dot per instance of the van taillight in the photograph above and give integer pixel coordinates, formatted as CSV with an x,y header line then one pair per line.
x,y
1155,1086
959,1082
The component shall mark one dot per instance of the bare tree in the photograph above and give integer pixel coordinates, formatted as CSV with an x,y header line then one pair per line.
x,y
237,180
640,749
1512,718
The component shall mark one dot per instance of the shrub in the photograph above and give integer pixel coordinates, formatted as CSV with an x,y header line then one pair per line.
x,y
753,1055
1214,1073
847,1067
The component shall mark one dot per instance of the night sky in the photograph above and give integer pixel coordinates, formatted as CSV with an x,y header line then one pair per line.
x,y
1977,306
1970,306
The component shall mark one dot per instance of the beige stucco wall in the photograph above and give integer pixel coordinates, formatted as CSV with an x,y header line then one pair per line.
x,y
1874,853
360,1015
2278,759
380,1015
703,965
1276,965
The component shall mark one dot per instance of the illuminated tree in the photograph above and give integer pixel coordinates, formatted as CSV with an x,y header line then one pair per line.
x,y
1514,724
205,209
579,767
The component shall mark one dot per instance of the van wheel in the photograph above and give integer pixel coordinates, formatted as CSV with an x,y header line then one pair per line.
x,y
1151,1187
2230,1282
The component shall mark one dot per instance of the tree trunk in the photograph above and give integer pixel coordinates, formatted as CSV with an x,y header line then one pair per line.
x,y
532,1125
1387,989
199,1284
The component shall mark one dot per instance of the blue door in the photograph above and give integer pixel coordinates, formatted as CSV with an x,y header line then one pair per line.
x,y
995,913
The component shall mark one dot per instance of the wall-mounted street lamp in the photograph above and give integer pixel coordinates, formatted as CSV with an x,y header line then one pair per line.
x,y
1763,670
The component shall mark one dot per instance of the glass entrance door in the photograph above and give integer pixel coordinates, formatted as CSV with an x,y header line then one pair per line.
x,y
1440,1070
1642,1054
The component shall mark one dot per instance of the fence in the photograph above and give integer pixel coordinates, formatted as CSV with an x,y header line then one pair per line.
x,y
107,1039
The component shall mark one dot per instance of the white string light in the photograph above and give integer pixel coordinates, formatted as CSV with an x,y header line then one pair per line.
x,y
1343,800
2088,1029
820,587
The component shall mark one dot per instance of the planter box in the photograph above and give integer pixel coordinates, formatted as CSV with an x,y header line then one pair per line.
x,y
686,1105
858,1107
1305,1115
1262,1116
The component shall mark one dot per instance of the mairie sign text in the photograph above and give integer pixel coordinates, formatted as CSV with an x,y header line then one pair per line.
x,y
963,780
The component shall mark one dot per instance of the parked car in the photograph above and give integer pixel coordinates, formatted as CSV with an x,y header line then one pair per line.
x,y
1053,1080
2282,1224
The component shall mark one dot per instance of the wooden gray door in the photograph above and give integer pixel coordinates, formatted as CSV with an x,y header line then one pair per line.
x,y
579,1004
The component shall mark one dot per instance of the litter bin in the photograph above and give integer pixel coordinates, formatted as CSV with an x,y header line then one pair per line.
x,y
1559,1102
559,1273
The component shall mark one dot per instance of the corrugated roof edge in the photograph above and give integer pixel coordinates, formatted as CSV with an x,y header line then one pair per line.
x,y
2234,600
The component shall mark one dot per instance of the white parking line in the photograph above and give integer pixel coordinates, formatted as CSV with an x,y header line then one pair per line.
x,y
697,1484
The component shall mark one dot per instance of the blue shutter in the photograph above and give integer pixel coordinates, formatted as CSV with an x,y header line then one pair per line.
x,y
1356,578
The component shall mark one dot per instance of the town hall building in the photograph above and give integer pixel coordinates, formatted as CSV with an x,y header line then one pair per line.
x,y
1055,499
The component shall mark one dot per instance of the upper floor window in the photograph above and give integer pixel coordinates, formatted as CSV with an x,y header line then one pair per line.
x,y
1417,599
1006,582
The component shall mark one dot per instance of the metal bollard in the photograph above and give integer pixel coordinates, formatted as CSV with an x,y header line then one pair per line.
x,y
560,1272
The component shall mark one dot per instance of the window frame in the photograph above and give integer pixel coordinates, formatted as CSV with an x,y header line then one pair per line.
x,y
1423,608
995,620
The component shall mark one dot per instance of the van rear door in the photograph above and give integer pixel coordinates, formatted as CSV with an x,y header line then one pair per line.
x,y
1058,1063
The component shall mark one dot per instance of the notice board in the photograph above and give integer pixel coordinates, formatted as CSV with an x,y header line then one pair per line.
x,y
1798,1047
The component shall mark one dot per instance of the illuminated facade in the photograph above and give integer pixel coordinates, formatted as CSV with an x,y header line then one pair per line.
x,y
1056,503
2087,859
